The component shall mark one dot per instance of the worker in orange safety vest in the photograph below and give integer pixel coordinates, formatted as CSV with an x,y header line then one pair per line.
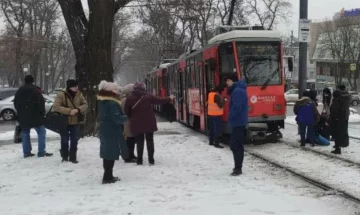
x,y
215,110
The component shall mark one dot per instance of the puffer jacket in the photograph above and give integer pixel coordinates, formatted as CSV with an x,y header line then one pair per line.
x,y
306,111
64,105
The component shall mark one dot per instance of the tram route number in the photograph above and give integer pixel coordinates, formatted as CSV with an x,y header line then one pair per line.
x,y
254,99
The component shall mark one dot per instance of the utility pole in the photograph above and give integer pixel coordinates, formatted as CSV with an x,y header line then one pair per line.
x,y
303,51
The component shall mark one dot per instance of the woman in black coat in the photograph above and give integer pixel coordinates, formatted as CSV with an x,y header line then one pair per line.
x,y
339,118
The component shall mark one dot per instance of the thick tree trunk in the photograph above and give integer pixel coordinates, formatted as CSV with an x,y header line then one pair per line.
x,y
99,54
91,41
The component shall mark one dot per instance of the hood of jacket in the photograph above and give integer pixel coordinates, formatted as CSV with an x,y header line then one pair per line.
x,y
304,100
239,84
139,90
343,96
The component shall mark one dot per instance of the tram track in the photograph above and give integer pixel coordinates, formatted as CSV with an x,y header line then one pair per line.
x,y
327,187
315,182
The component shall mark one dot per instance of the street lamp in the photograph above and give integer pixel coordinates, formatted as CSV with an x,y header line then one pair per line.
x,y
47,81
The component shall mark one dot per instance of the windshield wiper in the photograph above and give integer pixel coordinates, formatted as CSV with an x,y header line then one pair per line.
x,y
264,86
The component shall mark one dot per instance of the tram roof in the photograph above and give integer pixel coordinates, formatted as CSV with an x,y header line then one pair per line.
x,y
239,34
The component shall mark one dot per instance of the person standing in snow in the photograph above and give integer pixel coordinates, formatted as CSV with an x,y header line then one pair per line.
x,y
111,122
126,91
138,108
238,120
215,110
30,107
72,103
339,118
307,117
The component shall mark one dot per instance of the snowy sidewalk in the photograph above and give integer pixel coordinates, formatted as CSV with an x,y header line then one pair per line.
x,y
189,177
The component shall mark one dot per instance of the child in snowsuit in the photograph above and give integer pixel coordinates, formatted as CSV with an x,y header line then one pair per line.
x,y
307,117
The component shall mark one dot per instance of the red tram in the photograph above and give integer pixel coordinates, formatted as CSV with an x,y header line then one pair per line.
x,y
256,56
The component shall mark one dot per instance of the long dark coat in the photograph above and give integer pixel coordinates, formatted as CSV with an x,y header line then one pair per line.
x,y
142,117
111,122
339,118
30,106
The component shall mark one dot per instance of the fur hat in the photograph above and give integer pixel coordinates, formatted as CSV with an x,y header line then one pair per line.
x,y
108,86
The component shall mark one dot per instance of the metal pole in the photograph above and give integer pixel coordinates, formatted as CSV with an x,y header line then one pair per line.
x,y
303,51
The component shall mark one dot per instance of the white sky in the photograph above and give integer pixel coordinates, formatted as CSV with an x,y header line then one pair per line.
x,y
318,9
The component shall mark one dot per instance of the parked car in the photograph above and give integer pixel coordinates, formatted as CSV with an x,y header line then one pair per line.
x,y
292,95
7,92
8,112
355,98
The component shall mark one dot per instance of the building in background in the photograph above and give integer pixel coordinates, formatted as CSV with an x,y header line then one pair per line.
x,y
326,65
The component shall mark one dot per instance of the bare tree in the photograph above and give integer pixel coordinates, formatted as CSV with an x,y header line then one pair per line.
x,y
91,39
269,12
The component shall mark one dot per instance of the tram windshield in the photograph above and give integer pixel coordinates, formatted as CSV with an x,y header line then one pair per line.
x,y
260,62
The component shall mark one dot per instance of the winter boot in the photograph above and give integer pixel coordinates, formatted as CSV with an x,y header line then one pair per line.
x,y
151,161
139,161
211,143
72,156
65,155
337,151
45,155
302,144
29,155
217,145
236,172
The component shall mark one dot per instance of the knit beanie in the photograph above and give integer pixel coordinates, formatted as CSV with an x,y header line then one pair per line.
x,y
71,83
29,79
108,86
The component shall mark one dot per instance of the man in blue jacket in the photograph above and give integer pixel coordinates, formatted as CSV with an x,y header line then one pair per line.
x,y
238,120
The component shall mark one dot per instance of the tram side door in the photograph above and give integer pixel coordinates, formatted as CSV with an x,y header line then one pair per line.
x,y
209,83
180,90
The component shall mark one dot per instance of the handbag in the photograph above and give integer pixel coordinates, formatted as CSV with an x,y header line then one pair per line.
x,y
80,116
56,122
17,134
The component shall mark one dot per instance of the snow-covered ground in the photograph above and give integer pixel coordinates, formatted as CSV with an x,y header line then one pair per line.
x,y
9,135
189,178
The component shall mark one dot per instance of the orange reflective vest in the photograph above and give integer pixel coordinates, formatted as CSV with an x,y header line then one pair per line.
x,y
213,108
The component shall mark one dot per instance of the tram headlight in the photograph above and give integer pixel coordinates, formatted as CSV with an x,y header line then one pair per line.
x,y
277,106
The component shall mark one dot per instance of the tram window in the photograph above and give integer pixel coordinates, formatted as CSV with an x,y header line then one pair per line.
x,y
226,58
197,76
260,63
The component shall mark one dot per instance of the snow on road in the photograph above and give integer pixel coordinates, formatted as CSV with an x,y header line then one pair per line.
x,y
336,173
189,178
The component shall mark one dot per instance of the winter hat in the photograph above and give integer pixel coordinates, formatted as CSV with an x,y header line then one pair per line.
x,y
71,83
127,89
29,79
139,85
108,86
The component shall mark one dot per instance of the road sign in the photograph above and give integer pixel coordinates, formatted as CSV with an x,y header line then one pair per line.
x,y
353,66
304,30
